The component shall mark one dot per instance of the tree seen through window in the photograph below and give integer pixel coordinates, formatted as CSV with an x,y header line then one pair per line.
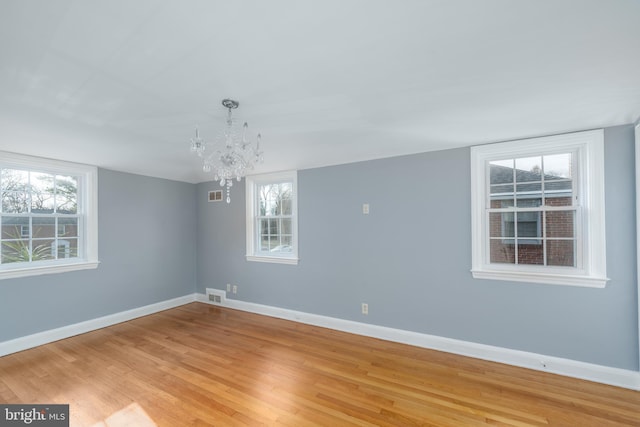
x,y
38,216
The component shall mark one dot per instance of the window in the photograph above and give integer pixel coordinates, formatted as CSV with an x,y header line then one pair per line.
x,y
538,210
272,223
48,216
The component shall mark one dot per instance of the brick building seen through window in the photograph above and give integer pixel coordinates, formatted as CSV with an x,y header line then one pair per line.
x,y
531,217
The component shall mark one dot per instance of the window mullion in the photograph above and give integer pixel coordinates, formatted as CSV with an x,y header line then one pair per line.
x,y
30,238
515,235
55,235
257,237
544,234
515,213
29,210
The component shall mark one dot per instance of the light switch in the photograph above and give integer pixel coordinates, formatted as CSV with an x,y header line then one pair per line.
x,y
365,208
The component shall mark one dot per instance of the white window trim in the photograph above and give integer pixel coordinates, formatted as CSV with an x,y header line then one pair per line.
x,y
590,179
636,129
87,191
252,182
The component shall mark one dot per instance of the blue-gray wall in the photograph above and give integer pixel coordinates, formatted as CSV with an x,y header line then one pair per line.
x,y
409,259
147,252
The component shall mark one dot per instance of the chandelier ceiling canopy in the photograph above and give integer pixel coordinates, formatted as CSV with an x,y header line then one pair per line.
x,y
231,155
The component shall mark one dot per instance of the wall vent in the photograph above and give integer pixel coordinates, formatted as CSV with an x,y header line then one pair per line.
x,y
216,296
215,196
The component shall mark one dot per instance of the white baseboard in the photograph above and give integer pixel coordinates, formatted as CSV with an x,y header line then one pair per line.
x,y
40,338
557,365
567,367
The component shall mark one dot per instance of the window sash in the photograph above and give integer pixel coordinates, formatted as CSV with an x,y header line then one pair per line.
x,y
528,192
279,235
542,238
31,239
540,209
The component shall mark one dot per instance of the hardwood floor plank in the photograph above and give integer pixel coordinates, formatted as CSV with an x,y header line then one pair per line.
x,y
201,365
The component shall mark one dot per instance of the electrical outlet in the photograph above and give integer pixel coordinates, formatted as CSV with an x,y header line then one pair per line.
x,y
235,289
228,287
365,308
365,208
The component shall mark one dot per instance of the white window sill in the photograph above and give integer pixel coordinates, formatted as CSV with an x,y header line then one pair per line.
x,y
47,269
546,278
272,259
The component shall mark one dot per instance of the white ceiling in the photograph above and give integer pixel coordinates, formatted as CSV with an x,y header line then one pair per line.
x,y
121,83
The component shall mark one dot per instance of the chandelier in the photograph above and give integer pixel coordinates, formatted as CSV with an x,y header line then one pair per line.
x,y
234,156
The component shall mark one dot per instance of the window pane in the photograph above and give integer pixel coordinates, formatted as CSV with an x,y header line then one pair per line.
x,y
501,171
557,166
284,198
501,224
262,209
561,253
14,251
529,169
15,239
558,193
501,192
14,180
269,234
284,246
530,253
263,225
529,224
67,248
265,198
42,203
13,227
503,251
67,227
286,226
42,193
44,227
285,206
15,201
15,190
264,234
43,249
273,226
560,224
525,192
66,194
507,203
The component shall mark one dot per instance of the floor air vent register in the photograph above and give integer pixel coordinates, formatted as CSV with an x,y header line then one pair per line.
x,y
216,296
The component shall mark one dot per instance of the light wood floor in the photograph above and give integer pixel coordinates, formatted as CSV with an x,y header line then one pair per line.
x,y
204,365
